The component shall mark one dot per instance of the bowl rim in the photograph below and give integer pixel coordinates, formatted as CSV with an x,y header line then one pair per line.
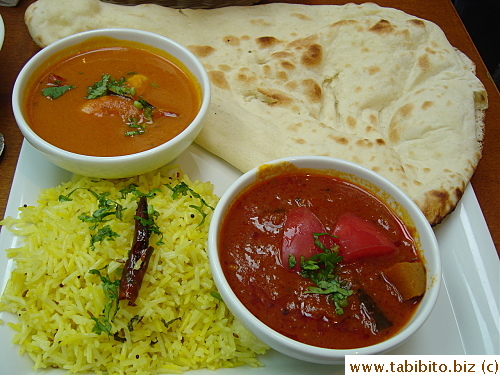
x,y
2,32
273,337
120,34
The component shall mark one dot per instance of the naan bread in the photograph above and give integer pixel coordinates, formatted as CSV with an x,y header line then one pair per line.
x,y
369,84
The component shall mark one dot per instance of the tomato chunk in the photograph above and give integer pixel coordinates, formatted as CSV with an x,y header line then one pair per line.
x,y
359,238
298,239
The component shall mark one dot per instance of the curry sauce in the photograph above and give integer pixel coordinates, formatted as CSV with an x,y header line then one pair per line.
x,y
112,124
250,242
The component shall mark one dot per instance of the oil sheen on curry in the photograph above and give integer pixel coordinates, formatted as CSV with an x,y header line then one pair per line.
x,y
321,260
106,97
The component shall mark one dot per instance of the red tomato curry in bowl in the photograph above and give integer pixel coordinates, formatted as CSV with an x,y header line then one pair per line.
x,y
322,257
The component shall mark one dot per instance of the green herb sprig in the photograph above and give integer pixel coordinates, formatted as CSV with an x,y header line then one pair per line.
x,y
108,85
111,307
320,268
55,92
183,189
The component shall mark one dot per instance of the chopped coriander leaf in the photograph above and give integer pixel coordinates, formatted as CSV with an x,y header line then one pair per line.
x,y
133,123
109,85
320,268
104,233
100,88
106,207
183,189
120,87
132,188
133,320
118,338
55,92
146,107
101,326
167,324
216,295
111,307
66,198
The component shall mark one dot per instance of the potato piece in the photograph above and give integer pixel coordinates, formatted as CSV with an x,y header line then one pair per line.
x,y
408,278
139,82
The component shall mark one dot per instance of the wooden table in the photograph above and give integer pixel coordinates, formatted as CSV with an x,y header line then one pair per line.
x,y
19,47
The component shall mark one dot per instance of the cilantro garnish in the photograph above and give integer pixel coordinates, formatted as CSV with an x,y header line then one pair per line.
x,y
146,107
55,92
120,87
132,189
100,88
133,123
106,207
320,268
104,233
167,324
184,189
111,307
216,295
132,321
108,85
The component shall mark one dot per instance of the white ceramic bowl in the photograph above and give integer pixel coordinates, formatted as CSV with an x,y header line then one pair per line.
x,y
116,166
362,177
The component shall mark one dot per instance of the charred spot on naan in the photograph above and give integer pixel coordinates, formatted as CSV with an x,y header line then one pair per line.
x,y
424,62
312,56
339,139
311,51
218,78
351,122
312,90
267,41
382,27
439,202
364,143
246,76
394,132
275,97
302,16
201,51
416,22
287,65
427,104
232,40
342,23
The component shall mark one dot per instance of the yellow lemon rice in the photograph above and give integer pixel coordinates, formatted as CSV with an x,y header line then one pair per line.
x,y
178,324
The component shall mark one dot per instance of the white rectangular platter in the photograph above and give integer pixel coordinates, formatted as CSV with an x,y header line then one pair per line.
x,y
464,321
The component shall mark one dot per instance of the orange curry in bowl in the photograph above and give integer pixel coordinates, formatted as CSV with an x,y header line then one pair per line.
x,y
321,260
109,97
